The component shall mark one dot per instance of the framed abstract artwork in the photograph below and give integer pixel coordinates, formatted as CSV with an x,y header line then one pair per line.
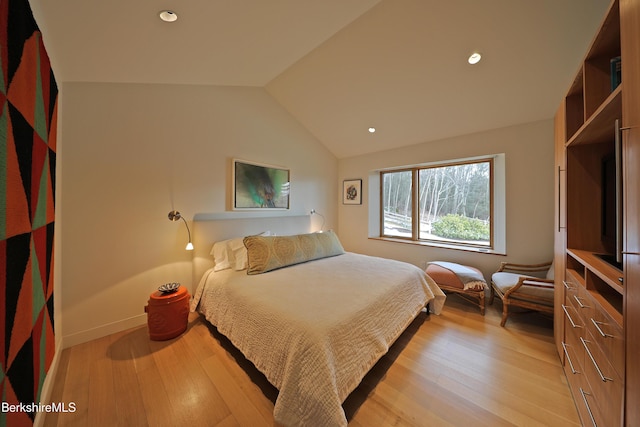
x,y
352,192
259,186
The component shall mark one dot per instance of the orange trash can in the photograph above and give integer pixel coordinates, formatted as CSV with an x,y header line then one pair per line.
x,y
167,314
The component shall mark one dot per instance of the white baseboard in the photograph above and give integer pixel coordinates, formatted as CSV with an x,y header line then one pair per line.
x,y
104,330
49,381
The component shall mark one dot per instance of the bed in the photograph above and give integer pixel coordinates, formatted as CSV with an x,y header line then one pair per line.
x,y
314,324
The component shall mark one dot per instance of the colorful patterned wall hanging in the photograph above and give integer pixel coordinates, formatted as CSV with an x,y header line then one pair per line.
x,y
28,98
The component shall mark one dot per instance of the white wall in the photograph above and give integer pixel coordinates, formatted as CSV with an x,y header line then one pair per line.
x,y
528,152
134,152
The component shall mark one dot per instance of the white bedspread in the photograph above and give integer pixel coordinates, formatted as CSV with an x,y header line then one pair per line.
x,y
315,329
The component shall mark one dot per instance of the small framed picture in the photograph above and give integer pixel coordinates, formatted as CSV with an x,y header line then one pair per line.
x,y
352,192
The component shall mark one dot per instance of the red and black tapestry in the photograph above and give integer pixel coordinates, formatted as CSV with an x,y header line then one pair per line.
x,y
28,98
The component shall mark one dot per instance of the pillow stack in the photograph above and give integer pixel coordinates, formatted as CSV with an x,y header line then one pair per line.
x,y
231,253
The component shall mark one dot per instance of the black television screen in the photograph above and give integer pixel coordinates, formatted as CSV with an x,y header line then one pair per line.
x,y
611,227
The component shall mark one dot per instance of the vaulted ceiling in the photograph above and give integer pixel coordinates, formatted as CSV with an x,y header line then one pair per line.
x,y
341,66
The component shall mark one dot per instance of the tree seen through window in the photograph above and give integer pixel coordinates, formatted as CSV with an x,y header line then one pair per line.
x,y
445,203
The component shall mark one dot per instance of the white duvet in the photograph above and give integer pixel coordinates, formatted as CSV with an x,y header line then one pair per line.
x,y
315,329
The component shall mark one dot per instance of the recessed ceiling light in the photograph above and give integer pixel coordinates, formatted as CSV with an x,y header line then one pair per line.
x,y
372,130
474,58
168,16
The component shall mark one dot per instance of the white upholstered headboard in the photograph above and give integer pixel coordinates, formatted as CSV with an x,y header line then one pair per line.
x,y
210,228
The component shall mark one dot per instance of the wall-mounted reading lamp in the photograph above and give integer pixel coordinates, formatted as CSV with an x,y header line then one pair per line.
x,y
174,216
313,212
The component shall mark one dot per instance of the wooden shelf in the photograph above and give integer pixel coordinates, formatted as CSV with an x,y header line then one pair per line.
x,y
591,104
605,271
599,128
601,280
592,107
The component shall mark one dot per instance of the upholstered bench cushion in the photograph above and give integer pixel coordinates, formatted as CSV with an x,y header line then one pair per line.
x,y
505,281
447,276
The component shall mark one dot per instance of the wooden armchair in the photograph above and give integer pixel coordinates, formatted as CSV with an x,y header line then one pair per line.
x,y
523,285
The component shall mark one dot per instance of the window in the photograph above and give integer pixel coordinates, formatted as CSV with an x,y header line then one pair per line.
x,y
448,204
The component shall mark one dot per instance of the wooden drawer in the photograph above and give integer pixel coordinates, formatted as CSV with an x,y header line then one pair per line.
x,y
580,388
586,404
605,385
573,353
574,328
570,306
571,284
609,337
577,296
572,317
584,399
583,303
594,357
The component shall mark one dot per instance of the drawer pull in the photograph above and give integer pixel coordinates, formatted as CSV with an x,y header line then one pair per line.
x,y
593,360
577,298
599,329
566,353
568,286
584,397
566,312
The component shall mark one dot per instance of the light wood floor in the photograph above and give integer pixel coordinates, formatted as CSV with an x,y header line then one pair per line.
x,y
455,369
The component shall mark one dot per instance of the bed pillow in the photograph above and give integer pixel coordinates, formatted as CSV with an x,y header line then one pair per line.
x,y
238,253
221,256
231,253
266,253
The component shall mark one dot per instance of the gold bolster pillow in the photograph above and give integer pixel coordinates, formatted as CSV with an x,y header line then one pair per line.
x,y
266,253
